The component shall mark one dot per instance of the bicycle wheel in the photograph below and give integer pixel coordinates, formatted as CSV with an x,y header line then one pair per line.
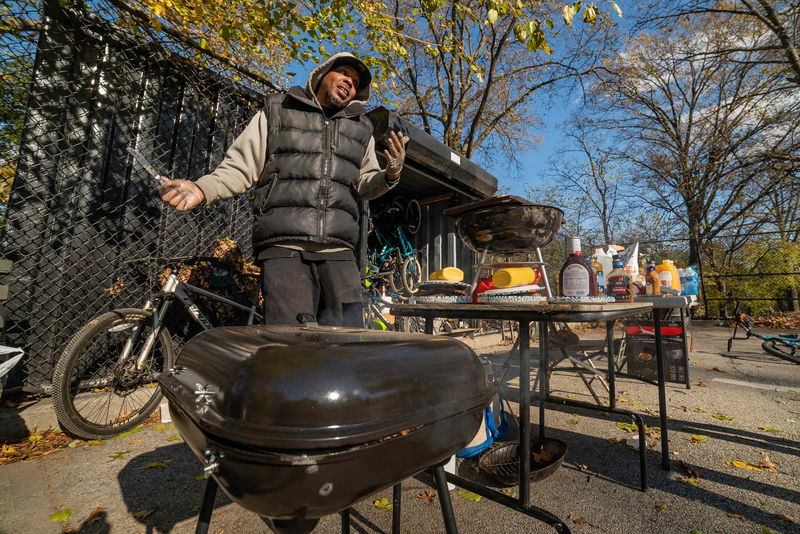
x,y
781,349
396,283
413,217
411,274
95,395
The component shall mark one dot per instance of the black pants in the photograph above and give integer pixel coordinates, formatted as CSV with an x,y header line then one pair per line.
x,y
328,289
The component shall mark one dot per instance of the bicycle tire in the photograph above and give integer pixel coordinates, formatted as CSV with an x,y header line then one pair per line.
x,y
779,349
411,274
396,284
413,217
83,344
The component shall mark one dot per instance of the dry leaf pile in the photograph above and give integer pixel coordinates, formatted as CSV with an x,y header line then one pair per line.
x,y
240,289
785,320
37,444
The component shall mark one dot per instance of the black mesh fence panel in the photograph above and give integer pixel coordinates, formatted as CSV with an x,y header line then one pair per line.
x,y
77,92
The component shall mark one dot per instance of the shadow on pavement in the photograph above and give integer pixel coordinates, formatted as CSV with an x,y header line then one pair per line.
x,y
172,492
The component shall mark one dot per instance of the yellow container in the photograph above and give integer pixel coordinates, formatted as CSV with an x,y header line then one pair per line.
x,y
668,274
451,274
513,277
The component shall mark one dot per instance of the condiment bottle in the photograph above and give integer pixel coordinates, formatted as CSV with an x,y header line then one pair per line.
x,y
620,282
577,277
601,285
668,275
652,280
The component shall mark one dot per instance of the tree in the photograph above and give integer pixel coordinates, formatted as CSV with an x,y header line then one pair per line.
x,y
472,80
707,138
778,23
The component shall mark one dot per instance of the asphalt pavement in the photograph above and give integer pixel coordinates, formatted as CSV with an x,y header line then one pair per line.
x,y
148,482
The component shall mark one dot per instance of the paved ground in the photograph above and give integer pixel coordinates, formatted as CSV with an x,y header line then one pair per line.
x,y
596,490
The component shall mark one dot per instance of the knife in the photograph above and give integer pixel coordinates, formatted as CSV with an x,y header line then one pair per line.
x,y
146,165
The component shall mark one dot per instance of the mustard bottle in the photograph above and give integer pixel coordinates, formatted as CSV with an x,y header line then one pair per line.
x,y
513,277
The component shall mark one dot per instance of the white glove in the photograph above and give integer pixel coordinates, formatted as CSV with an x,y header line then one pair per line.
x,y
396,154
182,195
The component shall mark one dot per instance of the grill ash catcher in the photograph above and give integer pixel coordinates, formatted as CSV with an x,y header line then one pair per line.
x,y
299,422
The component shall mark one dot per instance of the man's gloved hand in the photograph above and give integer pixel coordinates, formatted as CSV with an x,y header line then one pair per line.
x,y
396,154
182,195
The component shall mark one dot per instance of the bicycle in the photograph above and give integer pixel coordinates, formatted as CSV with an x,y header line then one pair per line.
x,y
784,347
106,380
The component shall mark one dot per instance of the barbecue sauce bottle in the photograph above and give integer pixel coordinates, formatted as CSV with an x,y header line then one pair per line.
x,y
577,277
620,282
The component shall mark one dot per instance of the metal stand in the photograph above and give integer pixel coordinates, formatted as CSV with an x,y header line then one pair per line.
x,y
444,499
345,521
396,500
662,392
207,507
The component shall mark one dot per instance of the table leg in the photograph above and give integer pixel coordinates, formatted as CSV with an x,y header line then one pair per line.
x,y
684,340
662,392
345,521
396,502
525,412
612,389
429,325
544,341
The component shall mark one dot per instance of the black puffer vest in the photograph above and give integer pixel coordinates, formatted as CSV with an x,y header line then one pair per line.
x,y
308,190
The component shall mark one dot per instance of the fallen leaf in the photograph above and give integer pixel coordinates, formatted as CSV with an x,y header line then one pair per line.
x,y
698,439
767,464
130,432
141,514
542,456
62,515
698,363
701,410
690,482
737,516
510,492
468,495
427,496
582,467
174,437
661,507
200,477
34,439
156,465
580,520
695,532
787,518
744,465
624,392
650,412
684,408
628,427
620,399
638,404
383,504
163,427
612,440
72,444
195,509
768,429
96,443
570,396
694,473
722,417
573,421
60,458
118,456
793,412
781,401
702,384
765,530
95,516
717,369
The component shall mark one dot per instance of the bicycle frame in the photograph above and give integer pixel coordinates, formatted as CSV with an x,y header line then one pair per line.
x,y
175,289
396,241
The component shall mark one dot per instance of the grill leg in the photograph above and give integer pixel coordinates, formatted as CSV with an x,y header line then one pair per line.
x,y
396,500
210,493
346,521
444,499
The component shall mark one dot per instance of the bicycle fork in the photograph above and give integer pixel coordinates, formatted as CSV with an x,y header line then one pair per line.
x,y
158,318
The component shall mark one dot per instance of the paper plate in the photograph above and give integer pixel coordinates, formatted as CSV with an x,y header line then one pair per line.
x,y
451,299
582,300
448,283
483,298
519,290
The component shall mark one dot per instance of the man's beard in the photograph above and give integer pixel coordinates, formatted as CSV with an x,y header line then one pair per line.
x,y
334,100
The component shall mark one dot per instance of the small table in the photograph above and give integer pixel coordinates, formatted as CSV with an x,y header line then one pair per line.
x,y
524,314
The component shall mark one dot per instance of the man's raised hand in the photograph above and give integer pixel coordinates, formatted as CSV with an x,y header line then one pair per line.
x,y
396,154
182,195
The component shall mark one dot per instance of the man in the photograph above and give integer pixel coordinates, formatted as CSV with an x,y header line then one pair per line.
x,y
311,155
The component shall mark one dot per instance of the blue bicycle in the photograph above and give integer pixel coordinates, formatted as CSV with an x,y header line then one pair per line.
x,y
785,347
392,252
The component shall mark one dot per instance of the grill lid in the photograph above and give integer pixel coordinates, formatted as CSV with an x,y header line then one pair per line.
x,y
285,387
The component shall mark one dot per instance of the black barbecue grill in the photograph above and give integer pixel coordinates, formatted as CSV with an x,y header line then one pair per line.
x,y
295,423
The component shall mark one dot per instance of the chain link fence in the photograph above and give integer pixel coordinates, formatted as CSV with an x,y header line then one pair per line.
x,y
77,91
